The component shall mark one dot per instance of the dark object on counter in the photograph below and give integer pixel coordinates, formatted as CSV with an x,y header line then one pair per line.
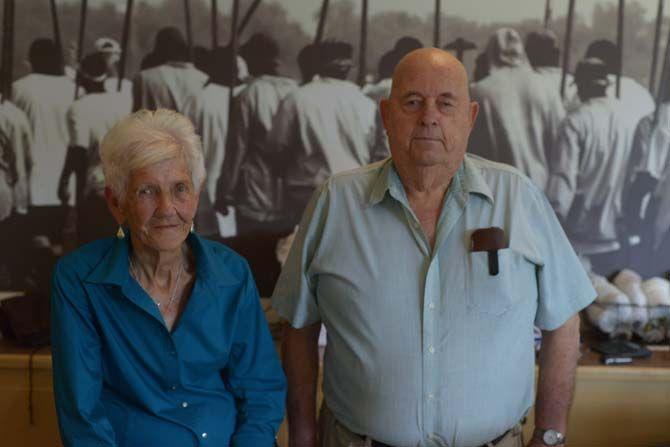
x,y
610,360
25,320
491,240
621,349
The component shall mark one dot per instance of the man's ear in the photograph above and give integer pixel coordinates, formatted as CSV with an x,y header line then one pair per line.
x,y
474,111
114,205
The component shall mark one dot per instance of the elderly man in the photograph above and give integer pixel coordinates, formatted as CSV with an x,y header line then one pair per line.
x,y
430,339
520,112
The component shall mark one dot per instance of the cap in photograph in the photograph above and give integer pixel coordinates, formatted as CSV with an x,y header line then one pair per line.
x,y
107,45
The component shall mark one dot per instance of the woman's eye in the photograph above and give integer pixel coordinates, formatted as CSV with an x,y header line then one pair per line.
x,y
145,191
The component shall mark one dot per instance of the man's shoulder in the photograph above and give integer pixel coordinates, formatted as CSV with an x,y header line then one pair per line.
x,y
263,85
13,116
363,174
497,174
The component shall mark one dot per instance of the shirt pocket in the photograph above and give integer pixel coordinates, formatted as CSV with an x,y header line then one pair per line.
x,y
496,294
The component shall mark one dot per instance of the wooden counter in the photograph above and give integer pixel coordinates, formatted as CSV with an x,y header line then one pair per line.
x,y
615,406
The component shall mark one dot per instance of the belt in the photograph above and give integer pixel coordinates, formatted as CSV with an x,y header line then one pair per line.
x,y
374,443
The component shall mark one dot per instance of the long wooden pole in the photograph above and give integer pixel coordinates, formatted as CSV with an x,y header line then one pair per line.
x,y
215,24
80,41
363,44
7,49
247,16
547,14
189,30
56,26
566,46
619,45
124,43
657,41
437,23
322,23
664,86
234,43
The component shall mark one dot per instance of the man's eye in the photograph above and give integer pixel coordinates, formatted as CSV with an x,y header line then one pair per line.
x,y
146,190
412,103
181,187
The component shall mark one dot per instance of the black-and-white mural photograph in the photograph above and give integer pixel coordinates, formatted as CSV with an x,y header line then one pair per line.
x,y
158,154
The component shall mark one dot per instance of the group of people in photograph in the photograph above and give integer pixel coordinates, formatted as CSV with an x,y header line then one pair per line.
x,y
374,184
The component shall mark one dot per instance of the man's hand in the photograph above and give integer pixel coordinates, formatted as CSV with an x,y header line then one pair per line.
x,y
536,443
63,192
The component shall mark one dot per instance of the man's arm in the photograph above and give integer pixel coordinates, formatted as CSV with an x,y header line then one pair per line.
x,y
75,163
558,363
236,148
300,356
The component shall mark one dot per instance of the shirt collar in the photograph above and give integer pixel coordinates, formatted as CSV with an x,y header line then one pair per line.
x,y
468,180
113,269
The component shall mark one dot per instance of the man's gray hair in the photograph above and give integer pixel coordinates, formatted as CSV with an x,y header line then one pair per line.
x,y
148,137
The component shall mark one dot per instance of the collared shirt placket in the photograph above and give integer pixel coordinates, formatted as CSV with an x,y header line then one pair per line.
x,y
432,329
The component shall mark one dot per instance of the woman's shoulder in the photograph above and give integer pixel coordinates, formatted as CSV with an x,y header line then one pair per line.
x,y
85,258
225,258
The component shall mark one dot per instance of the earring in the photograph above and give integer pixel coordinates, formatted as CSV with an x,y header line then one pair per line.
x,y
192,227
120,234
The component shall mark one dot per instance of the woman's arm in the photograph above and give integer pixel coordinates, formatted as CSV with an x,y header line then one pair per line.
x,y
255,375
77,364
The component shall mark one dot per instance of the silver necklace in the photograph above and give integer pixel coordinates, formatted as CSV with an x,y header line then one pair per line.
x,y
173,295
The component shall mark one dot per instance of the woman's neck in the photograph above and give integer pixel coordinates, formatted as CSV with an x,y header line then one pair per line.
x,y
158,265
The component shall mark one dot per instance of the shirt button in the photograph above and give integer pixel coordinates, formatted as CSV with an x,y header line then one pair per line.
x,y
184,404
431,305
431,396
204,436
431,350
173,353
173,387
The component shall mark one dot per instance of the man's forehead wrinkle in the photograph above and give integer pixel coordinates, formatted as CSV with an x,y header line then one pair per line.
x,y
418,62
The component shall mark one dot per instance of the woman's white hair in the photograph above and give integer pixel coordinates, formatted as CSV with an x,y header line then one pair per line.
x,y
147,137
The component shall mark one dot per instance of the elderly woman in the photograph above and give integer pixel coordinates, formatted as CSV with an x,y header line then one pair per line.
x,y
158,335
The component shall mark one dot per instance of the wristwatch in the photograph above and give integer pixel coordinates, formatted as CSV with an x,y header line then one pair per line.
x,y
549,436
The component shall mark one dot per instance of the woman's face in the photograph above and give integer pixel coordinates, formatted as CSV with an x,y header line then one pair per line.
x,y
160,204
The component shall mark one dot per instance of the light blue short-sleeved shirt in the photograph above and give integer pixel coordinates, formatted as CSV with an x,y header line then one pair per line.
x,y
426,348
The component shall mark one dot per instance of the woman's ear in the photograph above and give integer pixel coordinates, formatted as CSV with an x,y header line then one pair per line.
x,y
114,205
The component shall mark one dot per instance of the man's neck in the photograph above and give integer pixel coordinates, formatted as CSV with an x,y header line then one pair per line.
x,y
425,183
425,188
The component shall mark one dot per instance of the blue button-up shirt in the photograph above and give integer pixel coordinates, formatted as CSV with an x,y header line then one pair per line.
x,y
122,379
425,347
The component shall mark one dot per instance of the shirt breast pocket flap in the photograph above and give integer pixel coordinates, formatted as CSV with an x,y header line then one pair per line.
x,y
496,294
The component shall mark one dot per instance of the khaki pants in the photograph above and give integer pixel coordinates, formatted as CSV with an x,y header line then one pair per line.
x,y
334,434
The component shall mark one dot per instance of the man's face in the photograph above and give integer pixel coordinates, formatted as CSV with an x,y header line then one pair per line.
x,y
429,115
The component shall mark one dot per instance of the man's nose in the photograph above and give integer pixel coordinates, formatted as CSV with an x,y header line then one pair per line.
x,y
429,115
